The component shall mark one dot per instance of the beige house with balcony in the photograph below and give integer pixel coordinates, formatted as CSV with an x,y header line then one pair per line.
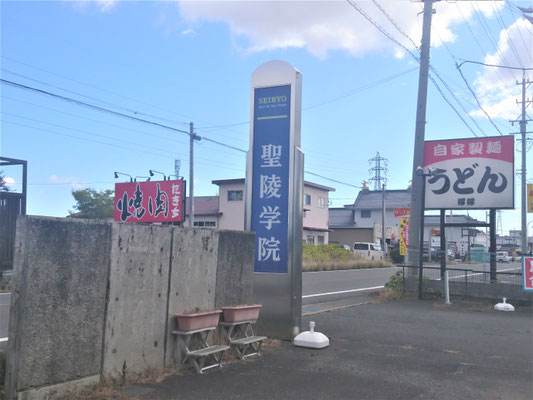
x,y
226,211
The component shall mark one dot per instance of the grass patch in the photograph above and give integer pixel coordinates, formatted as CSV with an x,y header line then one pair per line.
x,y
332,257
5,285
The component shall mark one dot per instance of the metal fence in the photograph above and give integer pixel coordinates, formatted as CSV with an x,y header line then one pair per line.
x,y
10,209
467,282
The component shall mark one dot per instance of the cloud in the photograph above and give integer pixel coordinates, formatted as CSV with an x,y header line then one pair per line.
x,y
188,32
67,180
102,5
497,86
323,26
9,181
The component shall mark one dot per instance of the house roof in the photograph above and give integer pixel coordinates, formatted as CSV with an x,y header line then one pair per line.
x,y
228,181
371,199
456,219
242,180
204,205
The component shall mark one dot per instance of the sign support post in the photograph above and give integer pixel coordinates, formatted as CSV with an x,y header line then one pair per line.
x,y
274,197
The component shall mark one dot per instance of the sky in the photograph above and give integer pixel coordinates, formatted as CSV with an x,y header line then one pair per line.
x,y
177,62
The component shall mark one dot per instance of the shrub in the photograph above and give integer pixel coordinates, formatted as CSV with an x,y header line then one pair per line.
x,y
395,255
331,257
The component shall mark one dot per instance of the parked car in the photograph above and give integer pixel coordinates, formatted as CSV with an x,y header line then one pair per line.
x,y
370,251
346,247
502,256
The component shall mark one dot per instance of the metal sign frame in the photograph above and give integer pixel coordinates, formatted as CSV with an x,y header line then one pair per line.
x,y
527,274
279,290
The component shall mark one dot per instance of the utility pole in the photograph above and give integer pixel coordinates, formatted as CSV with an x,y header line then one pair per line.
x,y
177,167
417,211
191,174
383,229
523,124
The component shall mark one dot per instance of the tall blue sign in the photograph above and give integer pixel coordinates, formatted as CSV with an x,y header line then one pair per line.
x,y
274,196
270,187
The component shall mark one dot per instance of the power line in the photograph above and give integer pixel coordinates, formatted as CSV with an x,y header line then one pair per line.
x,y
78,102
92,106
485,27
434,71
477,100
332,180
474,36
171,139
99,88
491,65
415,56
511,44
360,89
218,165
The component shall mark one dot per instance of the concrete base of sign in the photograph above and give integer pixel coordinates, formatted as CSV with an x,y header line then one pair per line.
x,y
311,339
504,306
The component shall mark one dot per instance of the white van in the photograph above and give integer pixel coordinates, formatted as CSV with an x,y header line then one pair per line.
x,y
370,251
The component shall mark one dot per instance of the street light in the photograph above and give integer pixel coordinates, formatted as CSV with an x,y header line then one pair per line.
x,y
152,172
121,173
424,175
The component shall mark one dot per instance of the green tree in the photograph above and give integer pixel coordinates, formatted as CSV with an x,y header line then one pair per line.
x,y
91,203
3,183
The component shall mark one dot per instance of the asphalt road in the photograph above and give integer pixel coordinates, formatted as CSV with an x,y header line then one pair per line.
x,y
5,298
321,287
400,350
326,286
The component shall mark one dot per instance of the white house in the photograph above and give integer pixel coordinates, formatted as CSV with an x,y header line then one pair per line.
x,y
226,211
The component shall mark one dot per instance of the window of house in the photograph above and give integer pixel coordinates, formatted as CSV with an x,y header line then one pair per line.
x,y
365,213
310,239
202,224
322,202
234,195
320,239
307,199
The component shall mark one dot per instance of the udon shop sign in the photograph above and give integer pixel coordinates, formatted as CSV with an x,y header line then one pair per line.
x,y
476,173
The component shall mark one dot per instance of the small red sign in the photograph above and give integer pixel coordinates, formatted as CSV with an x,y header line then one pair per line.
x,y
401,211
158,201
527,272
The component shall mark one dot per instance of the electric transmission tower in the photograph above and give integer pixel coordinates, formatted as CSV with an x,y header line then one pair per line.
x,y
378,171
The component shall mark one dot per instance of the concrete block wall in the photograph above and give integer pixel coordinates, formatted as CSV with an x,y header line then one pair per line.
x,y
57,303
96,300
136,311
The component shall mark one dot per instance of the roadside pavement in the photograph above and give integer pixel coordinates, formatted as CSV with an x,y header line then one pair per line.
x,y
405,349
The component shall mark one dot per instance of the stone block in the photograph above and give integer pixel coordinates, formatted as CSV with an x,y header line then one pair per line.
x,y
137,309
235,268
58,301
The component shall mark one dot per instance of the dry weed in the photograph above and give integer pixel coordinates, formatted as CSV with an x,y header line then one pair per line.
x,y
387,294
334,265
442,306
96,392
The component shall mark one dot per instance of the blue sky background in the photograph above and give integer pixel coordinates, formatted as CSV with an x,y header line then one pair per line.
x,y
177,62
